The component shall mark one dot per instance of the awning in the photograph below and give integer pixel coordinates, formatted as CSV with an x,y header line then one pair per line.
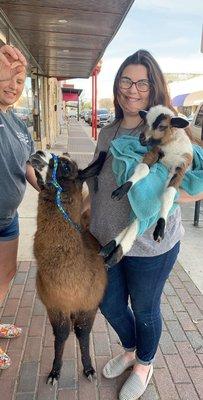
x,y
178,101
188,99
70,94
67,38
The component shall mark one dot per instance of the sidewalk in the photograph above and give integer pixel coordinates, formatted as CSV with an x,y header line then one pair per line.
x,y
178,372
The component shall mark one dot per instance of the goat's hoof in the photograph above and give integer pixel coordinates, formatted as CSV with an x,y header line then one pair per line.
x,y
114,257
108,248
118,193
159,230
90,374
53,378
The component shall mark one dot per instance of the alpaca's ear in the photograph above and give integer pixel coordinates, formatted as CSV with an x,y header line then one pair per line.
x,y
143,114
179,122
93,169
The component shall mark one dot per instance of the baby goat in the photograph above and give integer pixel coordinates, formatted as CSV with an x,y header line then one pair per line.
x,y
171,146
71,276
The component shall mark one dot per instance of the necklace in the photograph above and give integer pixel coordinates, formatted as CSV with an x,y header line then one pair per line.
x,y
116,133
96,186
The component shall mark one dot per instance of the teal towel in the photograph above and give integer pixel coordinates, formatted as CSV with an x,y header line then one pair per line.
x,y
146,195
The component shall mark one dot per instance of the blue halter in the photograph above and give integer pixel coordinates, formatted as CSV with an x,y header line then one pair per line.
x,y
59,190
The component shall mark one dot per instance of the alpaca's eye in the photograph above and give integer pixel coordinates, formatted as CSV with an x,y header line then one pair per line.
x,y
65,167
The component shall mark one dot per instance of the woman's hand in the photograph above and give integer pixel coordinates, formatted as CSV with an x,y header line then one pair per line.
x,y
186,198
31,177
12,62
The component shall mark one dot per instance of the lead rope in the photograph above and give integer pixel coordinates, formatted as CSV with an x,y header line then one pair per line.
x,y
59,190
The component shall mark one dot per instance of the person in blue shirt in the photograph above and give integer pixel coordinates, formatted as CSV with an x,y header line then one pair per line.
x,y
16,146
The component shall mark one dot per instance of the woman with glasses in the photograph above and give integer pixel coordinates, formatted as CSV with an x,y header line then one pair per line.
x,y
140,276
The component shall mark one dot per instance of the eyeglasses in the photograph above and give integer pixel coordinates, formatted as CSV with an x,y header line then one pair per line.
x,y
143,85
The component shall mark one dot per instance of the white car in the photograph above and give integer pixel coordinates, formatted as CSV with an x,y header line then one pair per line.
x,y
196,124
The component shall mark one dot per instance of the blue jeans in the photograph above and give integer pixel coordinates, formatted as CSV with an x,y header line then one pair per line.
x,y
11,231
140,279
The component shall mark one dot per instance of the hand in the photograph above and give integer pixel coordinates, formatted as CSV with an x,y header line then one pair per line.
x,y
187,198
12,62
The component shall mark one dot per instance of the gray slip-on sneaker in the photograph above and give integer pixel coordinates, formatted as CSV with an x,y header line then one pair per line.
x,y
134,388
116,366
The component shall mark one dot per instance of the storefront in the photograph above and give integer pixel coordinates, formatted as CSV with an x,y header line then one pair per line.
x,y
37,106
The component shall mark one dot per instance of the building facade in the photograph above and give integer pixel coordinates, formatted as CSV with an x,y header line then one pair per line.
x,y
40,104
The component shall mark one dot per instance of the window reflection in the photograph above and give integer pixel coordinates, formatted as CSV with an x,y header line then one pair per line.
x,y
199,119
23,108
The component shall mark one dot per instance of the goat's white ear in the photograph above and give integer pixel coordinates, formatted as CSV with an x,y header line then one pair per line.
x,y
142,114
179,122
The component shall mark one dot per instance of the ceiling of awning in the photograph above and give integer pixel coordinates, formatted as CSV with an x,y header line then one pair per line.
x,y
66,37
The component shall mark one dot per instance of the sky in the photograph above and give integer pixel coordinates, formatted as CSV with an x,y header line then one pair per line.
x,y
170,29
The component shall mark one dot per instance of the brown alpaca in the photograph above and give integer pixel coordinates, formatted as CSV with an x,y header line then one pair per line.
x,y
71,276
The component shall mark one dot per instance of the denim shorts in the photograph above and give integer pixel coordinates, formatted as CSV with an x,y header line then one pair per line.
x,y
11,231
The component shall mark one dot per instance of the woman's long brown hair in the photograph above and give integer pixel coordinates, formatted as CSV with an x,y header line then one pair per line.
x,y
158,92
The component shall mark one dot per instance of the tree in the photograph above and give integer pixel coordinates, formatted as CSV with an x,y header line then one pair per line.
x,y
86,105
106,103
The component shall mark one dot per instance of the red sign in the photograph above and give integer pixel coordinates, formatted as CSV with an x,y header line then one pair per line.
x,y
67,85
70,97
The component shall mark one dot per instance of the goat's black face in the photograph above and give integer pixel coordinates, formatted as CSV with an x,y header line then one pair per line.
x,y
43,163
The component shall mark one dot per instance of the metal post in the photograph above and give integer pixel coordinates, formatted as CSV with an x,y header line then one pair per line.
x,y
93,102
197,212
78,110
198,203
95,132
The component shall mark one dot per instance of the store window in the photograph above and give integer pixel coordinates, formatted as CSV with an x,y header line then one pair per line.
x,y
199,118
24,106
3,32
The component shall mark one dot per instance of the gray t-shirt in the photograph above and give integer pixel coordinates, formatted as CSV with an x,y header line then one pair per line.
x,y
16,146
110,217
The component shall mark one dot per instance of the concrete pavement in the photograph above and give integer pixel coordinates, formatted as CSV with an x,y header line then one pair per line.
x,y
179,363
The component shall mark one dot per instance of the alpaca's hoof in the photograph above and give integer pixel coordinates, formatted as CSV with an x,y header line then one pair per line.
x,y
159,230
121,191
53,378
90,374
114,257
108,248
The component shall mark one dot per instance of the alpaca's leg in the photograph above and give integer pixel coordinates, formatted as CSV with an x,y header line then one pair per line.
x,y
82,327
124,242
169,196
61,329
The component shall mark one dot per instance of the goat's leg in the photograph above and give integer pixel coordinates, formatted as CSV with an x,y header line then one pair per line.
x,y
169,196
82,327
122,244
61,329
110,247
140,172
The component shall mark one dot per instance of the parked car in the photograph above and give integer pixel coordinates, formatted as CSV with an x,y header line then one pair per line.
x,y
86,115
90,119
103,115
197,122
111,118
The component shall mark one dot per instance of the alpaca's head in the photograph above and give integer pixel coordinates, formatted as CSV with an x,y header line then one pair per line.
x,y
43,163
50,168
161,125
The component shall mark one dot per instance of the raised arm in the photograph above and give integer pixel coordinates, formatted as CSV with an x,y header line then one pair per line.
x,y
12,62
